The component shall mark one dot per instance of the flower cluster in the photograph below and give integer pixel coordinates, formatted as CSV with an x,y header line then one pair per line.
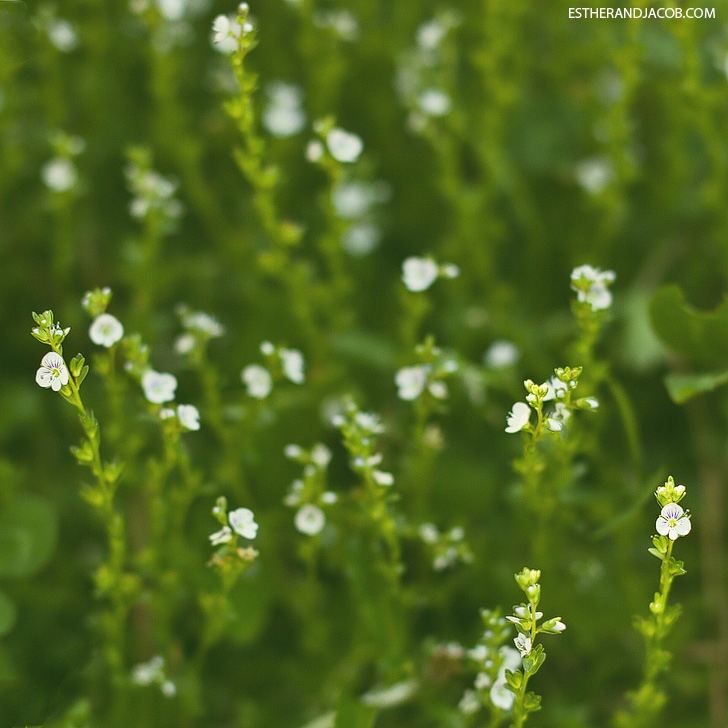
x,y
152,193
333,143
152,673
418,274
673,520
308,493
356,201
53,372
448,548
558,389
428,376
231,558
282,363
592,286
228,32
199,328
283,116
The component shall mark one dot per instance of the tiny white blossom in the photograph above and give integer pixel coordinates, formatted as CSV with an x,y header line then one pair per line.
x,y
293,363
438,389
518,417
158,387
310,519
243,523
53,372
314,151
60,174
434,102
482,681
225,34
344,146
591,286
283,117
594,175
189,416
382,478
329,497
411,381
501,696
185,343
360,239
430,34
224,535
149,672
321,455
469,703
429,533
523,644
267,348
673,522
501,354
106,330
418,274
258,381
169,689
63,35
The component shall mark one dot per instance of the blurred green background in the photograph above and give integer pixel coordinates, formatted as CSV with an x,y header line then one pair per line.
x,y
567,142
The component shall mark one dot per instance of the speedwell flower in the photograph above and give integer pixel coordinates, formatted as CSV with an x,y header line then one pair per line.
x,y
419,274
189,416
310,520
344,146
518,417
258,381
53,372
243,523
158,387
673,522
106,330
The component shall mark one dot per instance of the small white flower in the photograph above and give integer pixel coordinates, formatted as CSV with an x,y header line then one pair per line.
x,y
63,35
369,422
158,387
243,523
169,689
224,535
310,519
518,417
184,344
293,363
314,151
591,286
321,455
106,330
225,34
258,381
189,416
594,175
438,389
556,388
166,413
482,681
360,239
469,703
329,497
673,522
344,146
267,348
60,174
382,478
501,696
429,533
411,381
434,102
150,672
418,274
501,354
523,644
511,659
589,402
479,653
53,372
283,117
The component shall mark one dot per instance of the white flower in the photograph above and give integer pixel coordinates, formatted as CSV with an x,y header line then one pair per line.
x,y
469,703
314,151
482,681
594,175
172,9
501,696
370,422
430,34
310,519
501,354
158,387
591,286
321,455
343,145
411,381
511,660
382,478
146,673
60,174
329,497
63,35
242,521
185,343
438,389
224,535
225,34
434,102
479,653
360,239
673,522
556,388
106,330
266,348
419,274
203,323
53,372
523,644
518,417
283,117
429,533
292,361
258,381
189,416
169,689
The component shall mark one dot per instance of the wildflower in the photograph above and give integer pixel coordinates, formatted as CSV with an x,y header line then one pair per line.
x,y
518,417
344,146
419,274
310,519
430,34
434,102
149,672
673,522
63,35
225,34
369,422
523,644
201,323
283,117
501,696
106,330
482,681
243,523
321,455
594,175
293,363
501,354
382,478
479,653
59,175
185,343
411,381
158,387
469,703
591,286
189,416
314,151
53,372
360,239
429,533
224,535
258,381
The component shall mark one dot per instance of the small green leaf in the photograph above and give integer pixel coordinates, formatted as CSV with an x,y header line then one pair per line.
x,y
682,387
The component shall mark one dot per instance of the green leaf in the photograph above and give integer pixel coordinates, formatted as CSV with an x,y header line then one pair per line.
x,y
682,387
8,613
28,533
699,336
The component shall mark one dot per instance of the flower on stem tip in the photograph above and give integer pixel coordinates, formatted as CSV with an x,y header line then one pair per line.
x,y
310,519
243,523
106,330
518,417
591,286
673,522
53,372
158,387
